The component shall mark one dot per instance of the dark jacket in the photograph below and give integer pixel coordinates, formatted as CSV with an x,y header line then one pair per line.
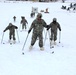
x,y
24,21
54,26
38,25
11,28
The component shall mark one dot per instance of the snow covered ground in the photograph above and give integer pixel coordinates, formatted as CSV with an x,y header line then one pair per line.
x,y
36,62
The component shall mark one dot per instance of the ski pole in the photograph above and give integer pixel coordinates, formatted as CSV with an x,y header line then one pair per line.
x,y
25,42
49,34
44,31
20,27
2,37
45,37
18,36
49,39
27,26
59,36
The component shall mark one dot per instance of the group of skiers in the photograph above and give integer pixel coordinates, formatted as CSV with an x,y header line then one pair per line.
x,y
12,28
71,7
37,25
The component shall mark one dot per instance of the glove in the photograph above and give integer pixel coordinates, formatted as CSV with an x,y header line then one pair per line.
x,y
16,27
4,31
60,29
29,31
47,27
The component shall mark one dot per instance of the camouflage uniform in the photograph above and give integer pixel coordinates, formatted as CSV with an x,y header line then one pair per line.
x,y
54,26
11,29
37,25
23,22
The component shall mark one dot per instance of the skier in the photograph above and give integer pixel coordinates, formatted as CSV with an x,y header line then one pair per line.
x,y
37,25
54,26
11,29
14,18
32,14
23,22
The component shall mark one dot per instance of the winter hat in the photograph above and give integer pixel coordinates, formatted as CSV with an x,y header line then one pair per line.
x,y
54,19
10,24
39,15
22,17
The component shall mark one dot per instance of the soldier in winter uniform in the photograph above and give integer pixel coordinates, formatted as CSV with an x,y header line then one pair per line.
x,y
32,14
23,22
37,25
11,29
54,26
14,18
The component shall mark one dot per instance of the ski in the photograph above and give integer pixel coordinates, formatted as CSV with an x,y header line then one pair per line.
x,y
51,47
41,51
9,43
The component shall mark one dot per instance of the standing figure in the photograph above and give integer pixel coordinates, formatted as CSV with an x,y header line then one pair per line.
x,y
11,29
46,11
37,25
54,26
23,22
32,14
14,18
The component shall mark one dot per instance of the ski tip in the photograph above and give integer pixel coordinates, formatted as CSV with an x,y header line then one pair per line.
x,y
52,47
52,52
3,43
10,43
62,46
22,53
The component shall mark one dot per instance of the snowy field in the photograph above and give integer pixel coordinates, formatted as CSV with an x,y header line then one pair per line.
x,y
36,62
